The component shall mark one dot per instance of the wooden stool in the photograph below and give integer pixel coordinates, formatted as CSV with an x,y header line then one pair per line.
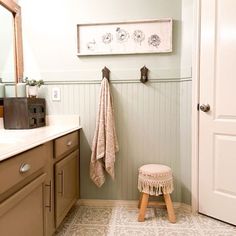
x,y
155,180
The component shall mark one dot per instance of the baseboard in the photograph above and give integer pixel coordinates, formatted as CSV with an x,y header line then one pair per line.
x,y
127,203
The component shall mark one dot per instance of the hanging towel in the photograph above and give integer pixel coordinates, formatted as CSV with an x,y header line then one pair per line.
x,y
105,144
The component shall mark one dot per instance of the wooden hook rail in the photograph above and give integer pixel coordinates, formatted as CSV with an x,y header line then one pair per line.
x,y
144,74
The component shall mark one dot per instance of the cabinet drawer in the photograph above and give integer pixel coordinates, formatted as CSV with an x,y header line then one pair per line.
x,y
66,144
18,168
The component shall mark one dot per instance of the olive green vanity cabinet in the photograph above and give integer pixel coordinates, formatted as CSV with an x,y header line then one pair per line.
x,y
22,192
66,174
66,169
22,214
38,187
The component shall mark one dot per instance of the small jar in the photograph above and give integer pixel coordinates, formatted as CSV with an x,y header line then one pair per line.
x,y
21,90
33,91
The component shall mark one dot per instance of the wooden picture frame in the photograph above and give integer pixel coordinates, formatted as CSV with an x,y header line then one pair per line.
x,y
15,9
134,37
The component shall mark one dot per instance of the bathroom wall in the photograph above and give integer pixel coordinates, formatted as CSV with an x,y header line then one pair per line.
x,y
185,99
151,125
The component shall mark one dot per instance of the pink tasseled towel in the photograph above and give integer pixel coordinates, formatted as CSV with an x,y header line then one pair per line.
x,y
105,143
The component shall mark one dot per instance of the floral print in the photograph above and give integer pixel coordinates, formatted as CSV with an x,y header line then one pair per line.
x,y
122,35
107,38
154,40
138,36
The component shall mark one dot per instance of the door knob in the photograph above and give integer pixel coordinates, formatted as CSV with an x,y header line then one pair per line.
x,y
205,107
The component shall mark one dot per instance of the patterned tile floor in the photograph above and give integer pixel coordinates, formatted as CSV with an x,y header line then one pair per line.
x,y
122,221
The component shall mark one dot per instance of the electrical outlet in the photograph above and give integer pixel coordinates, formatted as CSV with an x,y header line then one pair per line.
x,y
56,94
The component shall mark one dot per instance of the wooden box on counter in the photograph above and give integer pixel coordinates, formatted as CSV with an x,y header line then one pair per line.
x,y
24,113
1,107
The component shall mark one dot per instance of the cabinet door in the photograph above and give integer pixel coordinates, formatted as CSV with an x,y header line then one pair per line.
x,y
66,174
22,214
49,192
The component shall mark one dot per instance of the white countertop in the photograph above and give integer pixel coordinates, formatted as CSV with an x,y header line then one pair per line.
x,y
13,142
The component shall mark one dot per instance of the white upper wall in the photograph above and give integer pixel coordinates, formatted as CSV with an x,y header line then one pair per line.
x,y
50,36
186,35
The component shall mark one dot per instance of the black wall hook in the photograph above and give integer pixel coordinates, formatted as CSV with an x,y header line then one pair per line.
x,y
144,74
106,73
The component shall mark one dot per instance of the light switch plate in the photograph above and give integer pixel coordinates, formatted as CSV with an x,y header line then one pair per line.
x,y
56,94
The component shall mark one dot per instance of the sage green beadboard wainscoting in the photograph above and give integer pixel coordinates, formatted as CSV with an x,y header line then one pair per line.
x,y
185,140
153,126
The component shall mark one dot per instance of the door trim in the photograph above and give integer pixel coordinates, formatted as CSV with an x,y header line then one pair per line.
x,y
195,102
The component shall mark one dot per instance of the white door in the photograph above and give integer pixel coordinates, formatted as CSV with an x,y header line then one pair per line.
x,y
217,128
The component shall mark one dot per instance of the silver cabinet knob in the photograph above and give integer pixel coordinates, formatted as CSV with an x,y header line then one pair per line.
x,y
205,107
24,168
69,143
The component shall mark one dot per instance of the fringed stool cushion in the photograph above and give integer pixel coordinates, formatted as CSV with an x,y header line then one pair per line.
x,y
155,180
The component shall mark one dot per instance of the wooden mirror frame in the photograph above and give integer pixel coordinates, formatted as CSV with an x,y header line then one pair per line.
x,y
15,9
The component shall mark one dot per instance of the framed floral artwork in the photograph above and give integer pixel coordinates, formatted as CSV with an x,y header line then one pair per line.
x,y
136,37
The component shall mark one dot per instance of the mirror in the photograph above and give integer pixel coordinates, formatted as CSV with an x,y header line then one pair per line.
x,y
11,56
7,45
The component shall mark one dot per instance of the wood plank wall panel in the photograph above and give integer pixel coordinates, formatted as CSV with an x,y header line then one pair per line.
x,y
152,122
185,140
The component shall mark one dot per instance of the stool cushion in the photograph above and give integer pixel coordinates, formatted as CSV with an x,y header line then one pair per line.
x,y
155,179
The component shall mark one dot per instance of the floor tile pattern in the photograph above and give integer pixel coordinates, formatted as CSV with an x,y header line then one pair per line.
x,y
122,221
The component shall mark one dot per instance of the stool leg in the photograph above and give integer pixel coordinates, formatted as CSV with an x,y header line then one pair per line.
x,y
170,208
140,199
143,207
